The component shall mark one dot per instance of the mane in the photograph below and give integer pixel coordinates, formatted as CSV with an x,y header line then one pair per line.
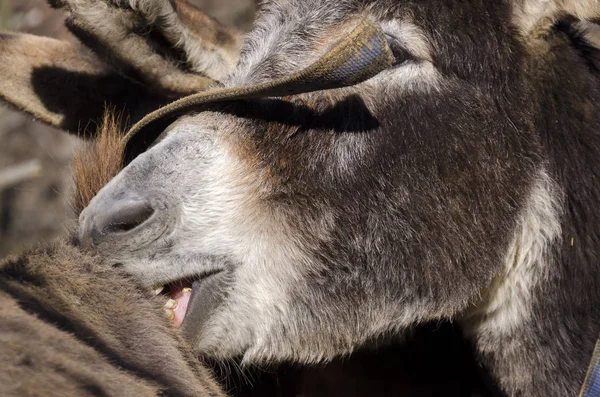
x,y
98,161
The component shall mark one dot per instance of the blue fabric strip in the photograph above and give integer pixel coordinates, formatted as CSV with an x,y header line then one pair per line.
x,y
591,388
354,65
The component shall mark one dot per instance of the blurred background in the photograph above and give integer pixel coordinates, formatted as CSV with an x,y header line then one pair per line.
x,y
35,175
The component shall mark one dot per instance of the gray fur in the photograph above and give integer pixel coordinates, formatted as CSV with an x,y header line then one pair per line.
x,y
340,233
462,185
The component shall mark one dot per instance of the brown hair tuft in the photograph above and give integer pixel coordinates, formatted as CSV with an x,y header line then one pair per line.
x,y
98,161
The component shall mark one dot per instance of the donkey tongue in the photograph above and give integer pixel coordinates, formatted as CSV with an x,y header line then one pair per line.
x,y
182,295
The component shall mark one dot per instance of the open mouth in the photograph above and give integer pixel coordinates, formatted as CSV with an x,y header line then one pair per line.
x,y
180,294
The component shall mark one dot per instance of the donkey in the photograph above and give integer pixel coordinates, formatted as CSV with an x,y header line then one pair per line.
x,y
458,183
118,344
74,326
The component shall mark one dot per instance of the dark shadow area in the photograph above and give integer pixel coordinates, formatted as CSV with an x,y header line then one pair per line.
x,y
347,115
82,96
434,362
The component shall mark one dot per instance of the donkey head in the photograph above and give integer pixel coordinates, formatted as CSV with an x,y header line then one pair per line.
x,y
311,223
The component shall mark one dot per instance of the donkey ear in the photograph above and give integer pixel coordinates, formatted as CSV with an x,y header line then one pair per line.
x,y
63,84
538,15
168,45
211,47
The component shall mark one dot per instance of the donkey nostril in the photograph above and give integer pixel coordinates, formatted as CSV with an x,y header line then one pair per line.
x,y
107,221
126,218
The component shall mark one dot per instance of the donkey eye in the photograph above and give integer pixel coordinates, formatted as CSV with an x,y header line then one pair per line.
x,y
401,54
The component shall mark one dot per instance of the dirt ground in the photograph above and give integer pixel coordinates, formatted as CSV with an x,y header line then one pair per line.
x,y
36,207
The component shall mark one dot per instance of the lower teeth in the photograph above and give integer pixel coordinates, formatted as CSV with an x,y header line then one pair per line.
x,y
170,314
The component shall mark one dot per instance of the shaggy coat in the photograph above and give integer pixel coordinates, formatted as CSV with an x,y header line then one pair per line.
x,y
70,325
460,184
